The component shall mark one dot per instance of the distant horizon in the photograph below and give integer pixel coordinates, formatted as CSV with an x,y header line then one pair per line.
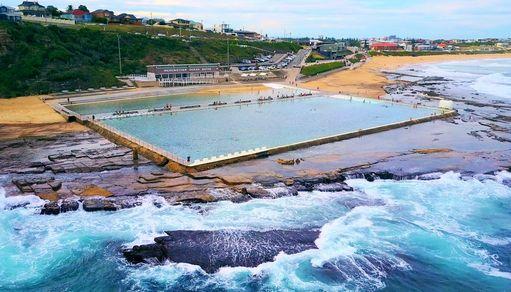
x,y
449,19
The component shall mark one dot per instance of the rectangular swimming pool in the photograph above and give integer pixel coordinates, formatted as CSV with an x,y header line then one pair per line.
x,y
210,132
202,98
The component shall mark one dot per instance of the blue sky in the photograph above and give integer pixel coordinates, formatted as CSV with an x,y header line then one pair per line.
x,y
337,18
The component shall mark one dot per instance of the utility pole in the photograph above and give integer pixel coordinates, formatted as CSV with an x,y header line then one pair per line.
x,y
119,47
228,54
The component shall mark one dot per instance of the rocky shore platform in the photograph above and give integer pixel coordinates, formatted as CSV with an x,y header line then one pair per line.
x,y
83,170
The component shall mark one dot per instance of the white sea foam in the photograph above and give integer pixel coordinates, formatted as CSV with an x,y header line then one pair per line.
x,y
442,70
491,271
496,84
359,247
29,201
503,176
489,77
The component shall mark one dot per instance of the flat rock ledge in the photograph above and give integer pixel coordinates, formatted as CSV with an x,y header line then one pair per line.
x,y
212,250
263,188
237,194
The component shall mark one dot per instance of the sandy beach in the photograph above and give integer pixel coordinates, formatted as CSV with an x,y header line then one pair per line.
x,y
30,116
27,110
367,80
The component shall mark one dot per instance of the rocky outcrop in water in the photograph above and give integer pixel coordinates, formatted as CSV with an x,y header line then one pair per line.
x,y
55,208
212,250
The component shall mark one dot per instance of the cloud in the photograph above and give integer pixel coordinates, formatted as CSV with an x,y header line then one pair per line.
x,y
350,18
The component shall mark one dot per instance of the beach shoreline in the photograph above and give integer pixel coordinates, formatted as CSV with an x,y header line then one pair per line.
x,y
31,116
368,80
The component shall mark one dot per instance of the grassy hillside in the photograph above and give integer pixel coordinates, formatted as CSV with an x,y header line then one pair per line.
x,y
216,50
321,68
37,59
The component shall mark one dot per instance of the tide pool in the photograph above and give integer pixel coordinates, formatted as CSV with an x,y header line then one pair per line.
x,y
447,234
214,132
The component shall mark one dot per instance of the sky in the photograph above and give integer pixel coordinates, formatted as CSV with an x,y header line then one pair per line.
x,y
330,18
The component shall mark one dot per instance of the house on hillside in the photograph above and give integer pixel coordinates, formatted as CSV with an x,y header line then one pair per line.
x,y
185,24
81,16
103,14
9,14
78,16
125,18
248,35
223,28
32,8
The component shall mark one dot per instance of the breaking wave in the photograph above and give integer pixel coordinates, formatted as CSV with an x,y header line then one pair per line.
x,y
400,235
496,84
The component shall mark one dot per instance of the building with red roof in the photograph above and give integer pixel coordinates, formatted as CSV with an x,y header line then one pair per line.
x,y
79,16
384,46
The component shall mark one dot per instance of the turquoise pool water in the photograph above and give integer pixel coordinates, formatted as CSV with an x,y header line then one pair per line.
x,y
178,100
206,133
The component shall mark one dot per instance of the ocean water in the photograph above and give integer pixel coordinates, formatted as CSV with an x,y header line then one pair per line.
x,y
491,77
446,234
214,132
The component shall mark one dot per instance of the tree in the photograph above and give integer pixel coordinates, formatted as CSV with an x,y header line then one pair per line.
x,y
69,8
99,20
53,11
156,21
83,8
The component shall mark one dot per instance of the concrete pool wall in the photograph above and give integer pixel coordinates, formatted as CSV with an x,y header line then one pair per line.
x,y
174,163
165,158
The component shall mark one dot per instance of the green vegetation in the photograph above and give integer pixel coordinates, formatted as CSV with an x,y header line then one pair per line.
x,y
53,11
356,58
315,56
351,42
216,50
475,44
150,30
316,69
38,59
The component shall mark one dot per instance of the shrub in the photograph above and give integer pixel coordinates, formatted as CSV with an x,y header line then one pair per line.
x,y
321,68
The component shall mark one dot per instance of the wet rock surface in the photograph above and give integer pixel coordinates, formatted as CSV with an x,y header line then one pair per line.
x,y
212,250
80,166
55,208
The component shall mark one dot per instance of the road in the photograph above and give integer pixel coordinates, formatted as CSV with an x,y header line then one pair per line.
x,y
296,64
300,58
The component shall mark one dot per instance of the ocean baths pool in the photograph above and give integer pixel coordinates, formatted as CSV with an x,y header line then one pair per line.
x,y
212,134
182,99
